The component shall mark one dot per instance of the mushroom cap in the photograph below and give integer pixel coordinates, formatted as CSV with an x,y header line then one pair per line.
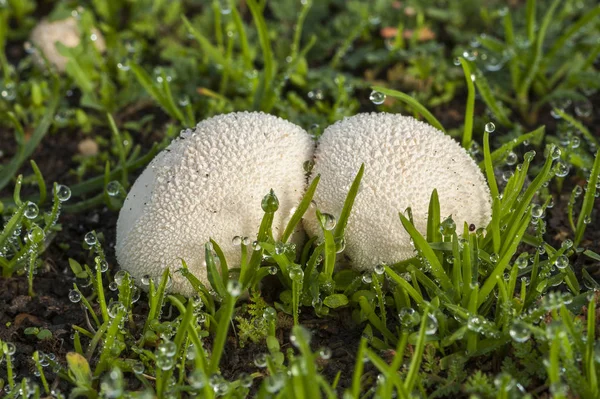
x,y
209,183
405,160
66,31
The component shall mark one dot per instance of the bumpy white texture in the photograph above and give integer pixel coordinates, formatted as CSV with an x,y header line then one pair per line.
x,y
209,183
66,31
405,160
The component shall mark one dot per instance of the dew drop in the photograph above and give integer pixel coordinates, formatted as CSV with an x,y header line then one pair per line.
x,y
10,348
36,234
324,353
234,288
74,296
197,379
296,274
409,317
380,269
120,277
260,360
431,325
63,193
511,158
138,367
519,332
377,98
537,211
146,279
583,109
31,210
328,221
562,262
270,202
566,244
167,348
308,165
114,309
367,278
113,188
269,314
299,334
522,261
490,127
90,238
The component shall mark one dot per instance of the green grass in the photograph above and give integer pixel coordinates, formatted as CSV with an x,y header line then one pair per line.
x,y
505,311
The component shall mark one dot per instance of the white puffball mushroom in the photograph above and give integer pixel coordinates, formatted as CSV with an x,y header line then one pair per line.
x,y
66,31
209,183
405,160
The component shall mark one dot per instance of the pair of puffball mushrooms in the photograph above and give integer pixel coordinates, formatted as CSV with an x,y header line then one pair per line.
x,y
209,183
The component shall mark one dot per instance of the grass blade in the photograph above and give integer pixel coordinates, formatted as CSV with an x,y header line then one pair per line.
x,y
301,209
423,246
588,202
349,203
417,106
263,93
470,108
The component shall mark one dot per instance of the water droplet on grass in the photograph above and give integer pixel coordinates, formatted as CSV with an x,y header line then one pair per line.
x,y
197,379
431,325
300,333
270,202
377,98
409,317
324,353
511,158
490,127
537,211
36,234
328,221
562,262
234,288
260,360
113,188
74,296
31,210
90,238
519,332
308,165
63,193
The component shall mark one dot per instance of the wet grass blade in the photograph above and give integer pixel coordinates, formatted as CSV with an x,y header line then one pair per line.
x,y
534,64
342,221
433,219
588,202
470,107
498,154
423,246
264,92
490,100
417,106
301,209
165,99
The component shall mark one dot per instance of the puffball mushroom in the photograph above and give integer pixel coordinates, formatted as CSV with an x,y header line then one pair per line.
x,y
405,160
66,31
209,183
